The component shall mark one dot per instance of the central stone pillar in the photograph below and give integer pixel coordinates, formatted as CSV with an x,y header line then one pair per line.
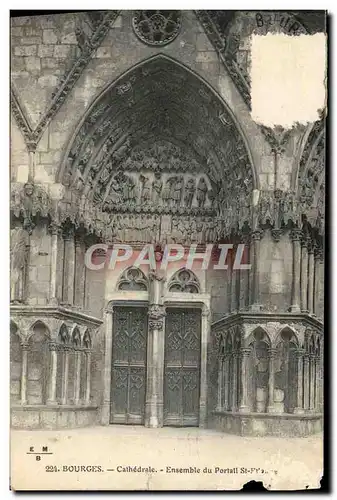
x,y
154,405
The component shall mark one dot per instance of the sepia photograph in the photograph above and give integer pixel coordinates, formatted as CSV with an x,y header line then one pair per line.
x,y
167,248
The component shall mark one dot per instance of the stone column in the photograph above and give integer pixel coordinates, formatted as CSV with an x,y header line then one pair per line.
x,y
255,289
306,382
311,271
221,391
320,382
69,267
271,380
235,357
52,374
299,404
88,378
77,384
154,386
79,270
312,364
105,412
304,275
64,398
319,281
295,295
226,383
24,372
54,230
245,353
317,381
154,402
205,329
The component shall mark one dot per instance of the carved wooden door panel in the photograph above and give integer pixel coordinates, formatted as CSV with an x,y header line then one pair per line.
x,y
128,374
182,367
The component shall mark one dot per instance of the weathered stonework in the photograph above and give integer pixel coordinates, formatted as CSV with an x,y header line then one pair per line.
x,y
116,139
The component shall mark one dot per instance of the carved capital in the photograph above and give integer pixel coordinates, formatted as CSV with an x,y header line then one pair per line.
x,y
54,346
257,235
272,352
245,351
54,228
300,352
319,253
109,308
156,315
25,345
206,311
276,234
296,235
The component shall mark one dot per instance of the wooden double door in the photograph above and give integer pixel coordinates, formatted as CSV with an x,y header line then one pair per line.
x,y
180,361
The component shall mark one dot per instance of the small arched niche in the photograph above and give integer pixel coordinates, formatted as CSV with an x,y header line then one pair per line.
x,y
38,363
15,363
258,370
286,372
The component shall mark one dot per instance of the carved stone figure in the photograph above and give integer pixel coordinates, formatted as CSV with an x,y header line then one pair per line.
x,y
201,192
18,260
168,190
145,189
178,190
189,192
157,186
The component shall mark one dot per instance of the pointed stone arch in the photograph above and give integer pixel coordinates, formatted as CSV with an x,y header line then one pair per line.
x,y
63,335
184,280
287,334
39,328
87,340
161,121
133,278
259,334
76,337
109,101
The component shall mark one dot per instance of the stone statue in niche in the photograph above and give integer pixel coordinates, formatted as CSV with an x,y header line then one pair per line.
x,y
189,192
145,196
168,190
321,200
177,191
286,208
201,192
157,186
199,230
19,241
129,190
